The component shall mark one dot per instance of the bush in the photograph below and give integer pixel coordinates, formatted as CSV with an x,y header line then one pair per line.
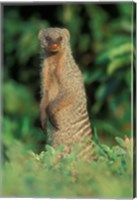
x,y
49,174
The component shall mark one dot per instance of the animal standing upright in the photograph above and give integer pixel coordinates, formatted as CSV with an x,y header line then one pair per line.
x,y
63,93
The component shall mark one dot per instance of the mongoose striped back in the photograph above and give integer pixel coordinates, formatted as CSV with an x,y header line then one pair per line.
x,y
64,93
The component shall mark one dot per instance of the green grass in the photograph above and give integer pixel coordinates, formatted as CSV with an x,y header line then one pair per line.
x,y
48,174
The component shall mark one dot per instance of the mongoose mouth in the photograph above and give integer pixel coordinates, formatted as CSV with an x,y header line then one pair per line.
x,y
54,47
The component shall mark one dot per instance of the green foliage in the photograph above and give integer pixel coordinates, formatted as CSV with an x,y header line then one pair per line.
x,y
17,100
49,174
101,44
20,115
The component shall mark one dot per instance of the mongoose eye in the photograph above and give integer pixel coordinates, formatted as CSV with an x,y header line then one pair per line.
x,y
60,38
48,38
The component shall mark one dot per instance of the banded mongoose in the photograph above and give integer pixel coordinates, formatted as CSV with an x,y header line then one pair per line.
x,y
63,93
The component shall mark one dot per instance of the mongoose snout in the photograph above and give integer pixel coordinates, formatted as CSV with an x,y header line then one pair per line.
x,y
52,40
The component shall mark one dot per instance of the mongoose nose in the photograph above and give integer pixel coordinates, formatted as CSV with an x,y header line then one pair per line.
x,y
54,46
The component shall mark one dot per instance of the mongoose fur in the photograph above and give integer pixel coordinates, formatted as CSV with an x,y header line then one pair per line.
x,y
63,93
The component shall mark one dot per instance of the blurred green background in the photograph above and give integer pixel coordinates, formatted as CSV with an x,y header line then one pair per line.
x,y
102,45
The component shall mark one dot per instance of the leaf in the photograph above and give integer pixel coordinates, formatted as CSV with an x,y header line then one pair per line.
x,y
50,149
101,92
95,136
105,148
120,50
118,63
126,9
120,141
118,151
60,148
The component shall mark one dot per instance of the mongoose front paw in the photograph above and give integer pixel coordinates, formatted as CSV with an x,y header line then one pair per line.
x,y
44,125
43,120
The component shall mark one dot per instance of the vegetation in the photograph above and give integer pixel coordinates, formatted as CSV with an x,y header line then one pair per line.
x,y
48,174
101,41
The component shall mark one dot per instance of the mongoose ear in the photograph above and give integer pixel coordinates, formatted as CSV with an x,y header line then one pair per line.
x,y
66,31
40,34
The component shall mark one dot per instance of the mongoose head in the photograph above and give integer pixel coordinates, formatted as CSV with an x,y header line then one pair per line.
x,y
54,39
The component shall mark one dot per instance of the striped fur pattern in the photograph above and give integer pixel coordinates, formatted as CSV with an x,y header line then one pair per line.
x,y
63,93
